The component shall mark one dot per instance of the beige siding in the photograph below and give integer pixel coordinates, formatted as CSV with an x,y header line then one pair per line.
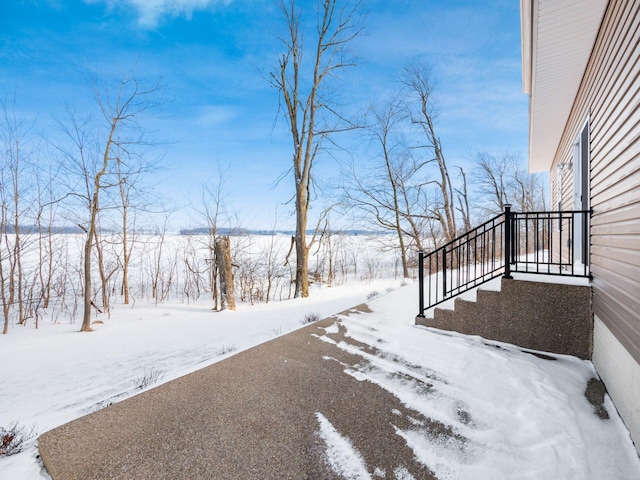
x,y
609,97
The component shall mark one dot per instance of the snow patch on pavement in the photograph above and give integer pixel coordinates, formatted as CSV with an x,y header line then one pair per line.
x,y
343,457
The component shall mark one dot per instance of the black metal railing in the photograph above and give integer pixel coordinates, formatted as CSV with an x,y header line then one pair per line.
x,y
549,243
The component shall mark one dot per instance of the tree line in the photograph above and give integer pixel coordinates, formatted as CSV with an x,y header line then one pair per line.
x,y
406,186
94,176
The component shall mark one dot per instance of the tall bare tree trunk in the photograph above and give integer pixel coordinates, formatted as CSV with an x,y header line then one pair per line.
x,y
50,263
223,258
91,234
336,27
45,243
17,247
448,204
4,297
212,199
12,140
102,272
463,200
396,207
417,78
302,250
126,254
129,102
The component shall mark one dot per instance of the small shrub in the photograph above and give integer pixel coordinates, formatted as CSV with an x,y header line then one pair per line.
x,y
372,295
150,377
223,350
13,437
310,318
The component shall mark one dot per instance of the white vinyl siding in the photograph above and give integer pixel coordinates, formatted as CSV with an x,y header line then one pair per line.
x,y
610,96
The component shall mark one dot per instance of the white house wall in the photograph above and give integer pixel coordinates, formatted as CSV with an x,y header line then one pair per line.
x,y
622,374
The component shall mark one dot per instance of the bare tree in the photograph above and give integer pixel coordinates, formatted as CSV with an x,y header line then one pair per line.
x,y
4,291
528,188
223,258
501,178
273,268
124,186
390,195
133,199
161,270
308,107
491,181
385,121
46,212
212,210
25,285
96,160
463,201
94,206
13,163
417,79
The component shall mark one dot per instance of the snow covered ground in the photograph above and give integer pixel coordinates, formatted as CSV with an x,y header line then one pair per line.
x,y
55,374
511,414
520,416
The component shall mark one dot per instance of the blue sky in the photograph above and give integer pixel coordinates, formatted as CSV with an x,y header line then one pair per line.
x,y
213,56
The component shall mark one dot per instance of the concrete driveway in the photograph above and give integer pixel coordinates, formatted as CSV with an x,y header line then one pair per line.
x,y
255,415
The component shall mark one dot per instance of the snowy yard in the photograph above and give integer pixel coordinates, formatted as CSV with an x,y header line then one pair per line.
x,y
56,374
512,414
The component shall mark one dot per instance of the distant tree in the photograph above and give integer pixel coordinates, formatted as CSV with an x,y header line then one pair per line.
x,y
310,110
491,179
212,210
272,261
125,188
4,245
46,193
528,189
463,201
162,267
502,178
134,199
26,190
13,163
390,191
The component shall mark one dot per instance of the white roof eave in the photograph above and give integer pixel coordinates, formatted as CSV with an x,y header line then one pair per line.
x,y
557,40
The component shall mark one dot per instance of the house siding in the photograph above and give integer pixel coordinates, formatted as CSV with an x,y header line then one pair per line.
x,y
609,97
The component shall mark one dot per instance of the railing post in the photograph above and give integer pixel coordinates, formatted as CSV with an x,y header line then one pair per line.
x,y
444,273
507,241
586,225
421,283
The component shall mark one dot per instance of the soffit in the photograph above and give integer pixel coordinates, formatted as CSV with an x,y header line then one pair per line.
x,y
557,40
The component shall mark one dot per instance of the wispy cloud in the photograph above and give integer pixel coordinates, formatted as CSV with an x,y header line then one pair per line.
x,y
150,12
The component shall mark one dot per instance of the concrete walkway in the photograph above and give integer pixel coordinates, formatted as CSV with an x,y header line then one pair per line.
x,y
252,416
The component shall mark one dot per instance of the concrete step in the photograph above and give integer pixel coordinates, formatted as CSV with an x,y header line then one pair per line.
x,y
538,315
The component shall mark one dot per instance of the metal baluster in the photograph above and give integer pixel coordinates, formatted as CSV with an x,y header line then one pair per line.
x,y
421,283
444,273
507,241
